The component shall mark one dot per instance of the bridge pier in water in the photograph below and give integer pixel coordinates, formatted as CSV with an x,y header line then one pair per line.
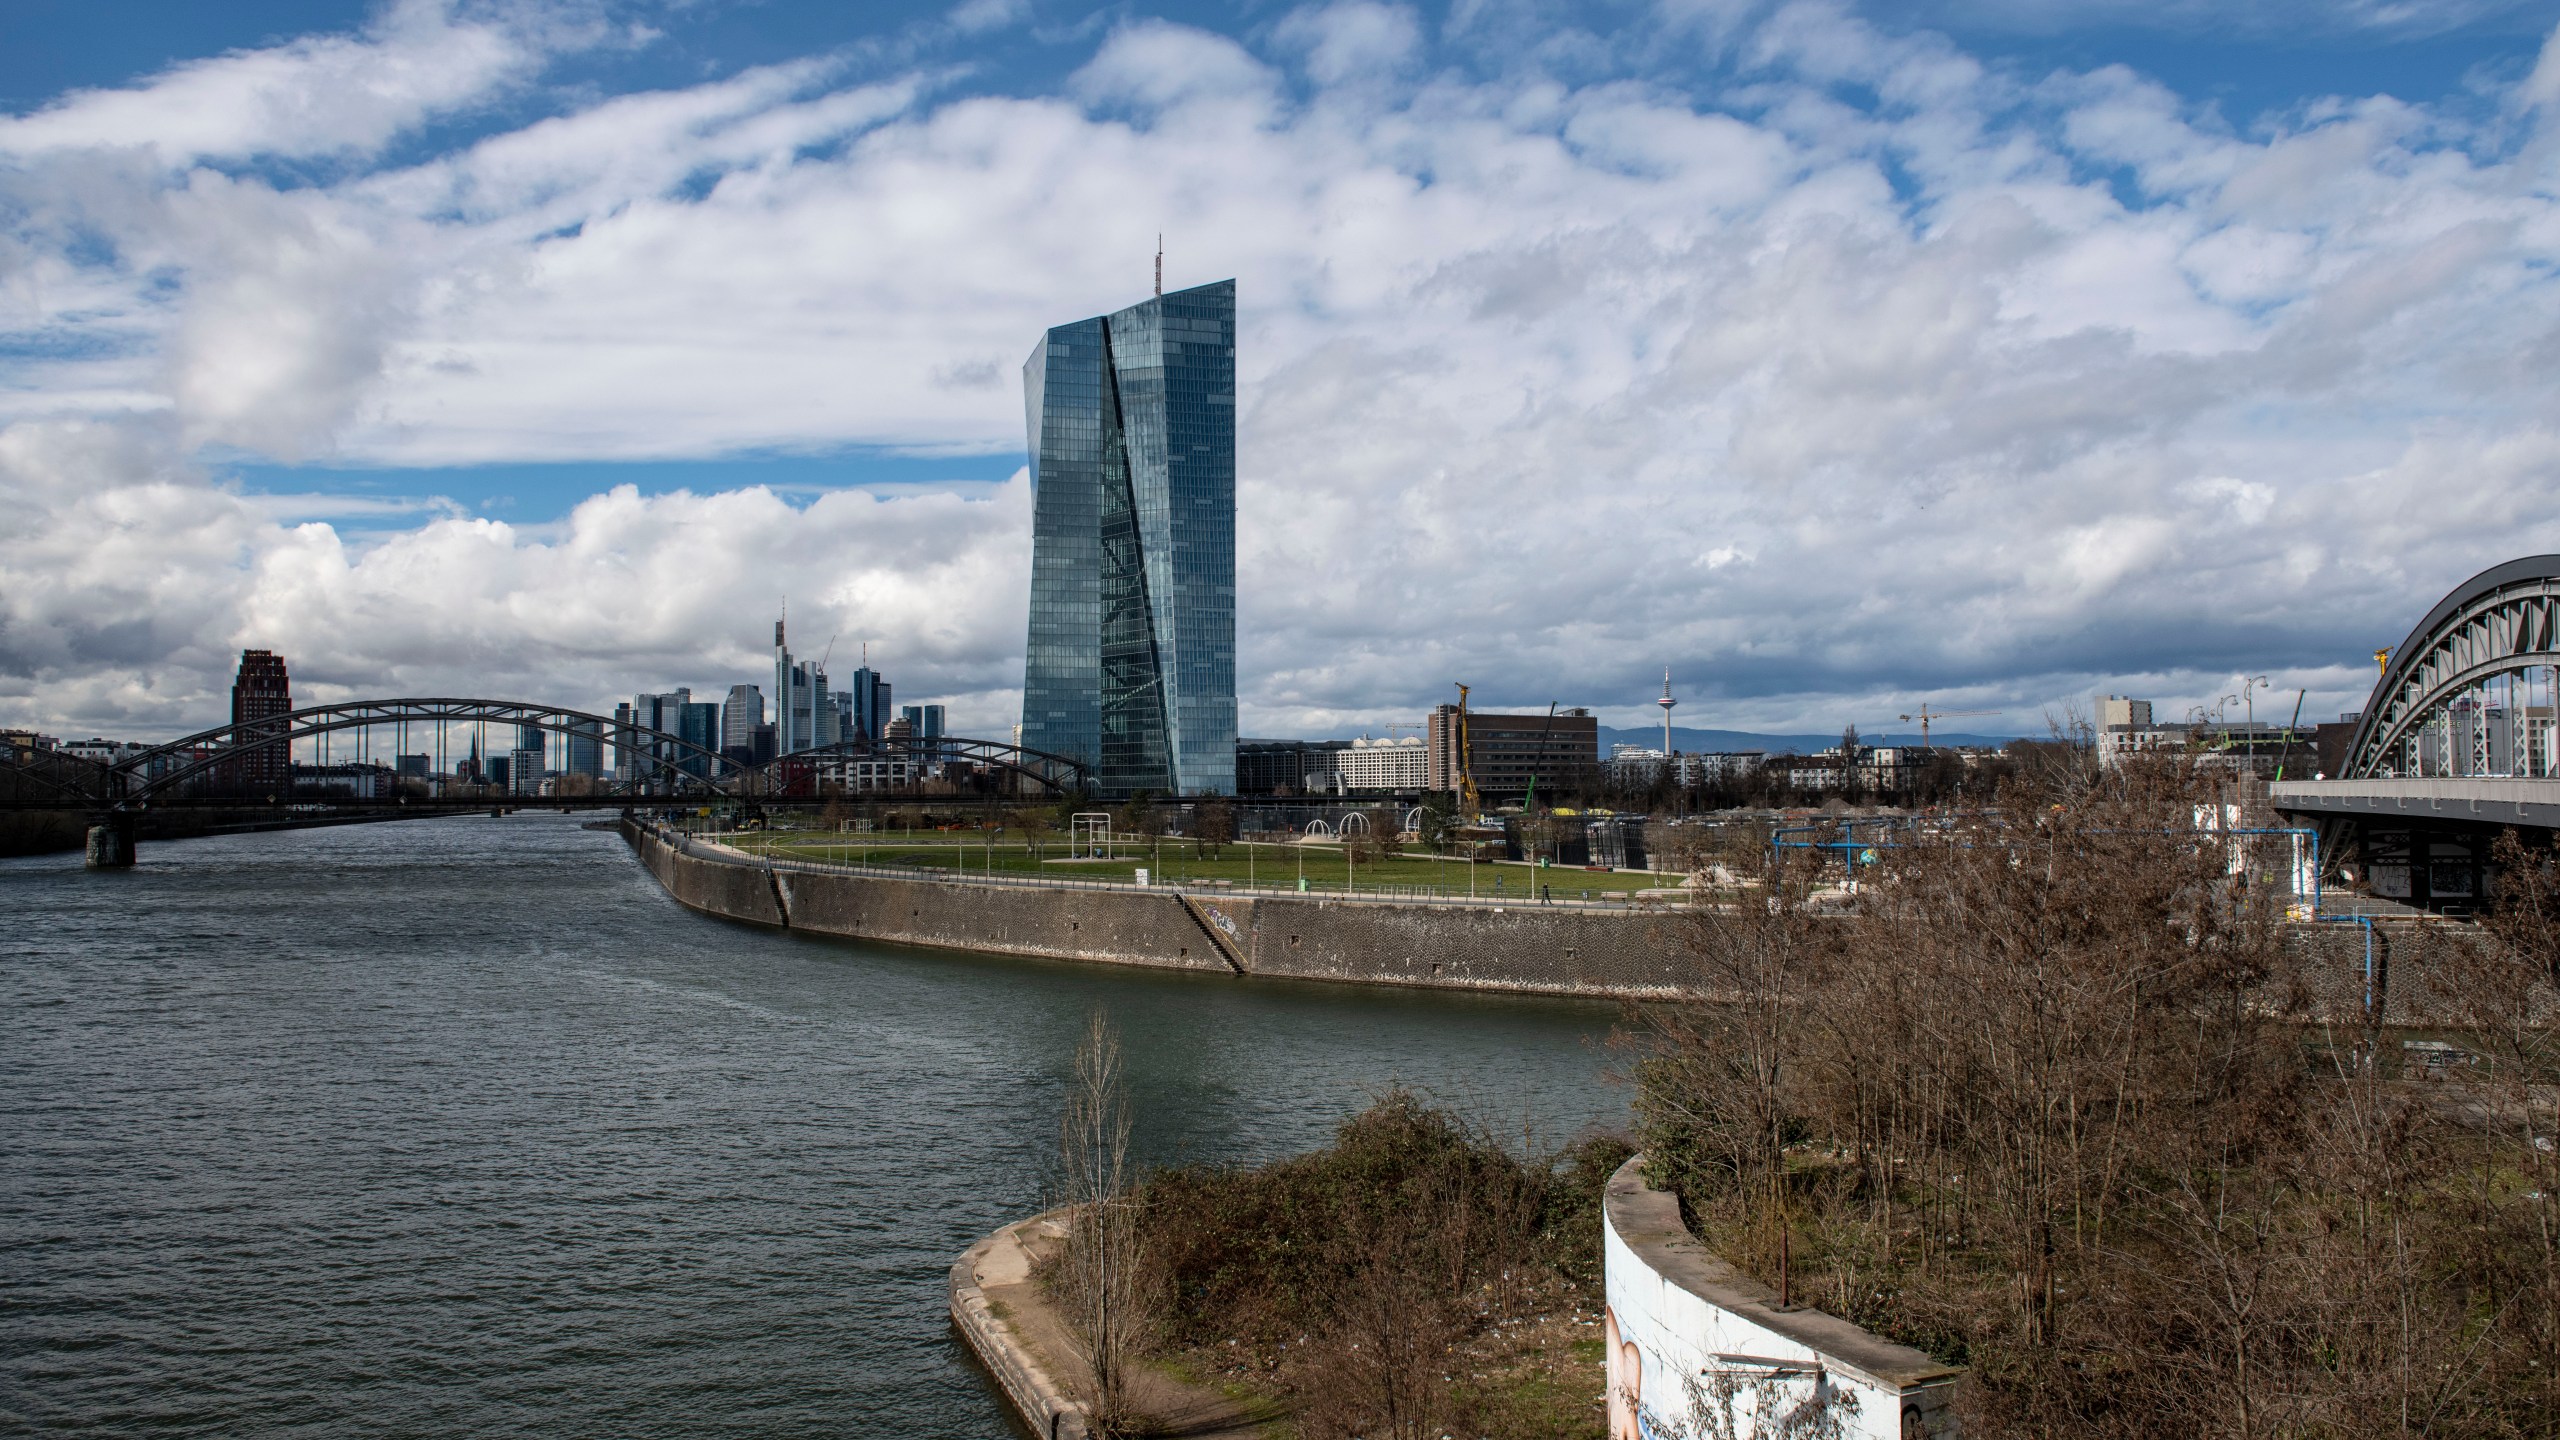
x,y
111,843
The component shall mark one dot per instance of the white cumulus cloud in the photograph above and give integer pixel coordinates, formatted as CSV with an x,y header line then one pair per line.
x,y
1856,371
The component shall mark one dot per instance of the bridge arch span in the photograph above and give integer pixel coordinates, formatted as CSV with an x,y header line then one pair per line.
x,y
133,783
2471,691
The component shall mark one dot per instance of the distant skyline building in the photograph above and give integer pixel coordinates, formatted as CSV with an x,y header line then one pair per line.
x,y
698,723
804,712
741,716
261,691
664,713
866,704
1283,767
1130,662
584,749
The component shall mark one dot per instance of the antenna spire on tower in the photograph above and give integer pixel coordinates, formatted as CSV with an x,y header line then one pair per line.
x,y
1159,264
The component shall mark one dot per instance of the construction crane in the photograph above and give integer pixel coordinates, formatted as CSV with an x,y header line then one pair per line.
x,y
1924,715
1529,803
1470,803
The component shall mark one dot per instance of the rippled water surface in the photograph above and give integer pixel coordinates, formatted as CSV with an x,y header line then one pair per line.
x,y
463,1127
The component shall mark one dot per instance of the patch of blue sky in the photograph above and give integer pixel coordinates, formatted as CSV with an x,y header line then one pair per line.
x,y
2241,60
2256,81
541,493
92,340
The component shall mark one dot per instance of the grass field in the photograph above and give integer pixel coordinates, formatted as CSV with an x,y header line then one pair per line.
x,y
1325,868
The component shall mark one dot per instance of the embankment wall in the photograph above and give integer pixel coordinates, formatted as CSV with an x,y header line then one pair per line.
x,y
1527,949
1524,949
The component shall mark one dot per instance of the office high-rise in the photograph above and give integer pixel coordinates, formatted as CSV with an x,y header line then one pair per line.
x,y
663,713
261,691
925,722
585,748
868,713
741,715
804,714
1131,661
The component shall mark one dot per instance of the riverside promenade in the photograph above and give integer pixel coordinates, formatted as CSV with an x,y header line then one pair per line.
x,y
1598,949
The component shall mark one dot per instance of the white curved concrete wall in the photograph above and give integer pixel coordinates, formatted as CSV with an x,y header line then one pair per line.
x,y
1697,1349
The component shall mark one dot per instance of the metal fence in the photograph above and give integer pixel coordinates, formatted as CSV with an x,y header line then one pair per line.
x,y
1620,902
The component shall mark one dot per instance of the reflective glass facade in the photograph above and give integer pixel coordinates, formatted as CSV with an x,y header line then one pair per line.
x,y
1132,653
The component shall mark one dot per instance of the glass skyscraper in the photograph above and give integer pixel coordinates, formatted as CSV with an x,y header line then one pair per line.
x,y
1132,657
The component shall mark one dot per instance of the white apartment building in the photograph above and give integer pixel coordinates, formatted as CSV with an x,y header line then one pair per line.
x,y
859,775
1384,766
1642,765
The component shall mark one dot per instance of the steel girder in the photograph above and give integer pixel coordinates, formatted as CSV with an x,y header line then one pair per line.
x,y
130,783
131,786
2504,621
52,779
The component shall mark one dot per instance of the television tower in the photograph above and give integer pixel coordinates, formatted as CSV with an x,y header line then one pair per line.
x,y
1666,702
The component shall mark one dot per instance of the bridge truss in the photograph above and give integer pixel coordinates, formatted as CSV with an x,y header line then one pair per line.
x,y
2471,691
208,766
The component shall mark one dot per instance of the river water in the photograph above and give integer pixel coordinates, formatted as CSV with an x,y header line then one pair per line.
x,y
463,1127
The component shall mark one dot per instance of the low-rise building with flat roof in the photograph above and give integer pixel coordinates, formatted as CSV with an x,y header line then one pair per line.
x,y
1506,753
1384,767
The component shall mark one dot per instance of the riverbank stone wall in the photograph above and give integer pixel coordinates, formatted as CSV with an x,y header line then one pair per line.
x,y
1524,949
1529,949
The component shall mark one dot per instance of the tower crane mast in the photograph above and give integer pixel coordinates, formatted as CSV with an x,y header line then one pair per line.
x,y
1470,803
1924,715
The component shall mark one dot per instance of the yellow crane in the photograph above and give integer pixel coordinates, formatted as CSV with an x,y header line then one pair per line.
x,y
1470,804
1924,715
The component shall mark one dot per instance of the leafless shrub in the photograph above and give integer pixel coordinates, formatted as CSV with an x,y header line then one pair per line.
x,y
2046,1102
1354,1270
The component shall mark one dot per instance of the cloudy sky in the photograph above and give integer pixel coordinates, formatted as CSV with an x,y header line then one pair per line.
x,y
1996,353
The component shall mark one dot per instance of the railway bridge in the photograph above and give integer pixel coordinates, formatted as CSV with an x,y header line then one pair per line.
x,y
2455,744
219,768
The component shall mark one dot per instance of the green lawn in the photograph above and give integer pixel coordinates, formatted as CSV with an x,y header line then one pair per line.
x,y
1324,867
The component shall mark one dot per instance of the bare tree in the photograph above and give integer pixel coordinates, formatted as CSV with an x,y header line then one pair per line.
x,y
1213,825
1395,1315
1101,1276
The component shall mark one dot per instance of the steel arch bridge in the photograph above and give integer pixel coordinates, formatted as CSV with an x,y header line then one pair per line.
x,y
672,765
667,766
49,779
2470,692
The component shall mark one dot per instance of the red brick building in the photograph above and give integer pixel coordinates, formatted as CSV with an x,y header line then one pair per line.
x,y
262,691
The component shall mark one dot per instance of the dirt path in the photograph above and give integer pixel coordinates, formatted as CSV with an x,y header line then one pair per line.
x,y
1193,1412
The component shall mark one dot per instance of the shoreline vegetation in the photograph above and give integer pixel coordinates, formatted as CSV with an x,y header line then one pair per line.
x,y
2045,1095
1413,1279
2045,1101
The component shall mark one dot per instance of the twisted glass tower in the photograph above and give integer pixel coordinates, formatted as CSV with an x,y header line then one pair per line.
x,y
1132,658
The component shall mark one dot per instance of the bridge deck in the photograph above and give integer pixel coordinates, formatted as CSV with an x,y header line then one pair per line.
x,y
2534,803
